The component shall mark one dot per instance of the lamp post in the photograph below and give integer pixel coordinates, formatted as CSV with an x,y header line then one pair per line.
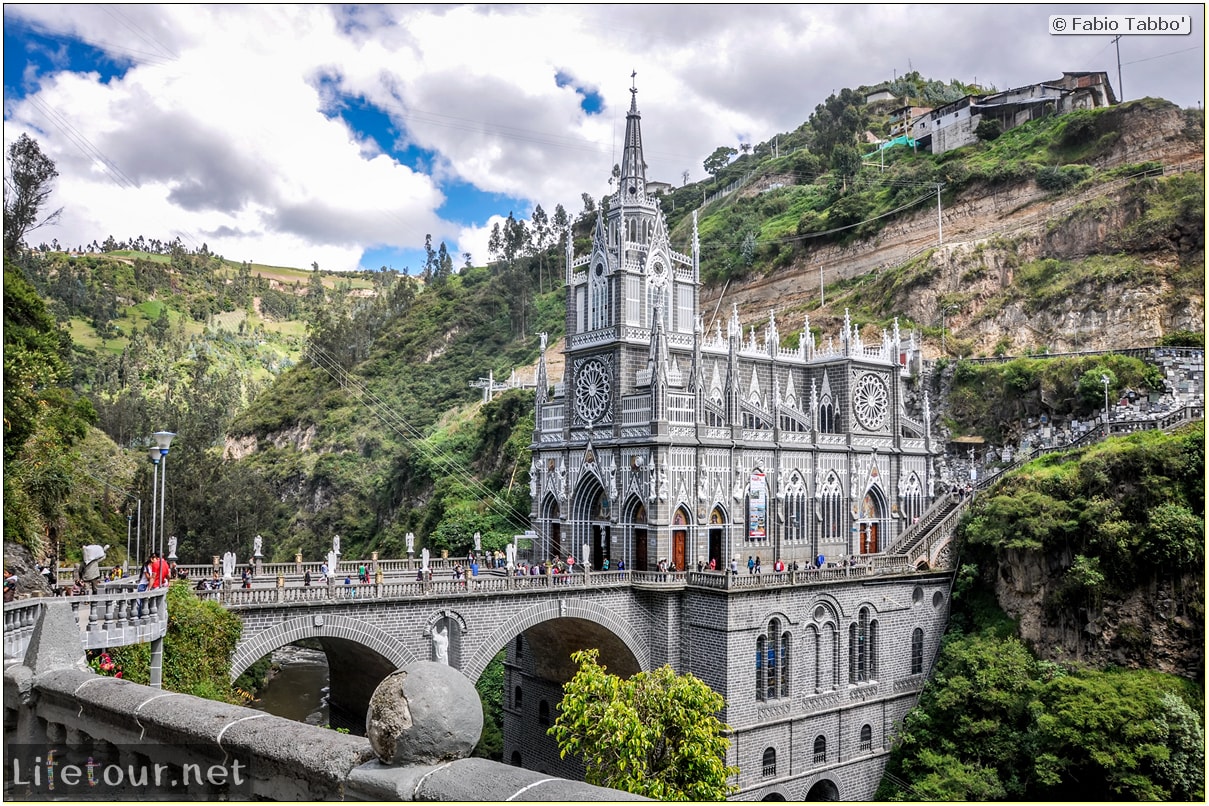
x,y
153,453
162,440
129,523
1104,380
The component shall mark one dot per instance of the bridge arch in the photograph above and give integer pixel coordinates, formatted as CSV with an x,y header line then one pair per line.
x,y
542,612
328,626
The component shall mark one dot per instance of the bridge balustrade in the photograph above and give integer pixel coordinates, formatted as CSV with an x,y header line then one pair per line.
x,y
866,566
106,620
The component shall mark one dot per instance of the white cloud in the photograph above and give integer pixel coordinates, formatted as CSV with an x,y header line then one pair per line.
x,y
218,132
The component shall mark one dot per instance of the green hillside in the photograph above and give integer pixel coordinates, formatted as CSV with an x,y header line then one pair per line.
x,y
310,403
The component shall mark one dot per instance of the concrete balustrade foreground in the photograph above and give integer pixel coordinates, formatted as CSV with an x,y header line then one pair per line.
x,y
144,743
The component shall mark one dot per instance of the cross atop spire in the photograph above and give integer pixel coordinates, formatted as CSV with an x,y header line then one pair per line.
x,y
633,167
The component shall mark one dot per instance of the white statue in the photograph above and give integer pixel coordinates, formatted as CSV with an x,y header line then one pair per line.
x,y
533,471
336,544
424,560
256,544
478,542
172,547
560,482
411,543
228,565
440,642
510,550
333,563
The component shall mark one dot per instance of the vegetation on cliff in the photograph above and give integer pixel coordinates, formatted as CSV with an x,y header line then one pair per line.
x,y
1002,720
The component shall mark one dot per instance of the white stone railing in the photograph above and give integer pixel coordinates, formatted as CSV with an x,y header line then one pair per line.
x,y
106,620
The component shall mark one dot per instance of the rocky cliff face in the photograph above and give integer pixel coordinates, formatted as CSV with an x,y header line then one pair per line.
x,y
990,230
1160,626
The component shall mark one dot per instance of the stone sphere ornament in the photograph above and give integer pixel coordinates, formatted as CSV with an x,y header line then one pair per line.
x,y
424,713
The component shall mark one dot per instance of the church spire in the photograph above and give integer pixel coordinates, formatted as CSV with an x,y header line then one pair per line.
x,y
633,167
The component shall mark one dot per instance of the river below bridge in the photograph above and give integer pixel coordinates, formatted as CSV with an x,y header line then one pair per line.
x,y
298,688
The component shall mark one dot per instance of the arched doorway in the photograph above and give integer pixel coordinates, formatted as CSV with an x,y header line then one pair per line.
x,y
591,515
873,507
680,523
639,533
551,518
717,538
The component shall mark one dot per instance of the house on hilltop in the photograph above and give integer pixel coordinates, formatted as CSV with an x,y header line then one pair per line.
x,y
953,125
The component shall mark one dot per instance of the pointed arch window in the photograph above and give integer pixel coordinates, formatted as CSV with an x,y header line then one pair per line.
x,y
600,315
827,424
795,509
831,508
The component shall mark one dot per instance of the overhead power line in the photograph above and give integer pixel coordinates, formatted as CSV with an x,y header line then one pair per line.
x,y
414,437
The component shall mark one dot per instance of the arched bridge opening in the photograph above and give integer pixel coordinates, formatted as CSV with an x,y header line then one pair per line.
x,y
359,657
537,664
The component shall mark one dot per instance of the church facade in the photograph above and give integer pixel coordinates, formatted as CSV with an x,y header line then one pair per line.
x,y
677,443
676,440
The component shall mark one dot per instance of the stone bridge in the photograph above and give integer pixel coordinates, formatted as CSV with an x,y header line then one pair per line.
x,y
369,630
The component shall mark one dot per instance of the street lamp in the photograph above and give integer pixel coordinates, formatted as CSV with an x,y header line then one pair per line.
x,y
153,453
162,440
129,523
1104,380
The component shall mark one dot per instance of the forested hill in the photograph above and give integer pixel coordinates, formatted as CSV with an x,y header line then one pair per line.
x,y
310,403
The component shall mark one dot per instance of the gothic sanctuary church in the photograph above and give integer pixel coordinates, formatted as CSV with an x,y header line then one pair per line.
x,y
671,440
673,444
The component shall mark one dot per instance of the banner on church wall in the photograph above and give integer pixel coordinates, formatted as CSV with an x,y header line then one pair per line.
x,y
757,507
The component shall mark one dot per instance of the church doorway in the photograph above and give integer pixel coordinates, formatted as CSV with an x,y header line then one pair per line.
x,y
717,534
869,524
551,516
639,535
679,539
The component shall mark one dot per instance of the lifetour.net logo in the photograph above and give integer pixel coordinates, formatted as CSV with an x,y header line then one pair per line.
x,y
110,772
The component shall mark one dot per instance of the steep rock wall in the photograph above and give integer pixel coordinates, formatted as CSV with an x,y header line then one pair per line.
x,y
1158,626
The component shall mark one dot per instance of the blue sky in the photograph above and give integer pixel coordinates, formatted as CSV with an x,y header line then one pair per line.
x,y
343,135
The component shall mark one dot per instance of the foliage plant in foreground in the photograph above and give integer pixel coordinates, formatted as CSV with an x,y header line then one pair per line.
x,y
655,734
198,646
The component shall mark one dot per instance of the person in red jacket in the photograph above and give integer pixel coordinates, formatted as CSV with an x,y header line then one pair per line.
x,y
159,570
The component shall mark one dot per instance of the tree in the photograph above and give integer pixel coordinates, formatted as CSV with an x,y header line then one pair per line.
x,y
655,734
27,185
718,160
988,129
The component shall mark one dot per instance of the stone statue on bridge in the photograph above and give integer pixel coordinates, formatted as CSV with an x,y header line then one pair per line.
x,y
336,544
172,547
256,546
478,542
440,643
333,562
411,544
228,565
424,561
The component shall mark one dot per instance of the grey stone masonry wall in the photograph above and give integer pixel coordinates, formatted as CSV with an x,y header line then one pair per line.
x,y
56,704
